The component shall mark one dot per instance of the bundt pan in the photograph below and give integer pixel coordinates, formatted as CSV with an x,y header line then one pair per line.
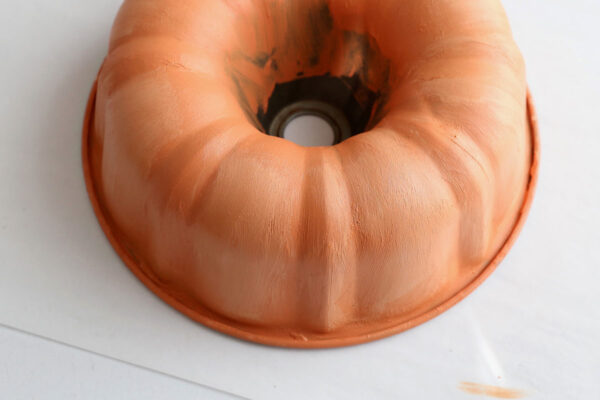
x,y
415,204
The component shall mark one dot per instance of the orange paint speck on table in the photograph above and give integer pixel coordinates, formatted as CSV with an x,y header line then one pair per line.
x,y
491,391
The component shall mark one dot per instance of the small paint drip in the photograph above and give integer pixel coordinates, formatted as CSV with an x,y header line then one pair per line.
x,y
491,391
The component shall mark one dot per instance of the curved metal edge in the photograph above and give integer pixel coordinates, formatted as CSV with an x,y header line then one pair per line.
x,y
285,338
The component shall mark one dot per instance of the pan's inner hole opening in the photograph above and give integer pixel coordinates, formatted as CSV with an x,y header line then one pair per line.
x,y
309,130
311,123
319,110
297,58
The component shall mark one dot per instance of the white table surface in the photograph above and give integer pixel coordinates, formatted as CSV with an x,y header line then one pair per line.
x,y
534,325
32,367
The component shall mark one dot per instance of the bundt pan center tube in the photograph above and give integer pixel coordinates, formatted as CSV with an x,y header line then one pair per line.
x,y
425,188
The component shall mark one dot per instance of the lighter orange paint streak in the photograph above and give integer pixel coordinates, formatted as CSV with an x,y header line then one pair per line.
x,y
491,391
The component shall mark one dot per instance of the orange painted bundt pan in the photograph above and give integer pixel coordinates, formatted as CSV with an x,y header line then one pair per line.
x,y
301,297
284,339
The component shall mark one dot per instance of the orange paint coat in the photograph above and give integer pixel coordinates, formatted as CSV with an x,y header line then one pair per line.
x,y
266,240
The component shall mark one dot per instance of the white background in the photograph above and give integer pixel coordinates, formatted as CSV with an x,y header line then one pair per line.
x,y
534,325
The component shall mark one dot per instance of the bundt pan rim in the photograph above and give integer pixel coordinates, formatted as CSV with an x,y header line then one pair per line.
x,y
285,338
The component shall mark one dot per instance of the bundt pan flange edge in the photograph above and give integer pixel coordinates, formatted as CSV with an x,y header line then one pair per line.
x,y
271,242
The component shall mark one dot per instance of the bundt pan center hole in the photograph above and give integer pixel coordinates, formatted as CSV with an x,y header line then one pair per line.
x,y
311,123
318,111
310,130
294,56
